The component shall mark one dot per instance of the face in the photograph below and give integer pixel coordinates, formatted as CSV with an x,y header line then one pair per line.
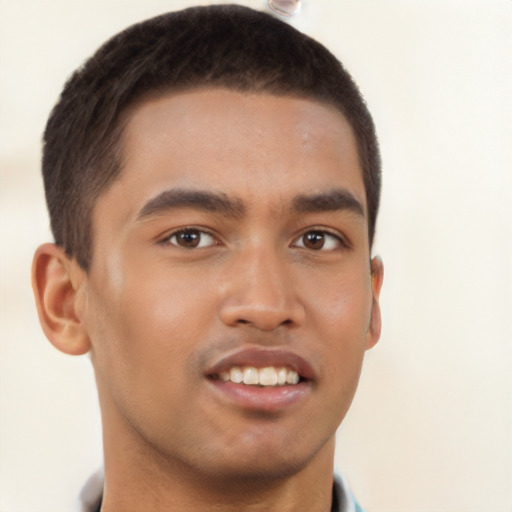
x,y
233,246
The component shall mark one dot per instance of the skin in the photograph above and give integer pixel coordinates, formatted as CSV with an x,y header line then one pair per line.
x,y
155,312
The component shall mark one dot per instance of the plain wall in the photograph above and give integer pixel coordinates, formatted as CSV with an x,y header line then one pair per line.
x,y
431,426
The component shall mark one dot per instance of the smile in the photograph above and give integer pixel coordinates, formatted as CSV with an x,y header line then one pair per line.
x,y
268,376
261,379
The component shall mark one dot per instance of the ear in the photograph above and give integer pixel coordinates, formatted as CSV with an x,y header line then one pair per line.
x,y
58,282
377,275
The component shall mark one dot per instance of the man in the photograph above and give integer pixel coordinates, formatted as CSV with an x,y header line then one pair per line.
x,y
213,179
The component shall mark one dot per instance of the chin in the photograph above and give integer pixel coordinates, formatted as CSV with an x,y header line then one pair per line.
x,y
264,464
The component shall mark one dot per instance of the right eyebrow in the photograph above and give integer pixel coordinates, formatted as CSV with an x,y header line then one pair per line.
x,y
207,201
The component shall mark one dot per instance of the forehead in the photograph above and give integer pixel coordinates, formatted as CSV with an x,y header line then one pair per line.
x,y
264,147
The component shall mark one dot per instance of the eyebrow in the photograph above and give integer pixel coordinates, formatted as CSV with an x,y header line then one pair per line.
x,y
213,202
220,203
332,200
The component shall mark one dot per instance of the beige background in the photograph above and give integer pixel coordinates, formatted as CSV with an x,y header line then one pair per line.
x,y
431,427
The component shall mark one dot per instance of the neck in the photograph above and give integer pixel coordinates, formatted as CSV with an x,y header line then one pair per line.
x,y
137,478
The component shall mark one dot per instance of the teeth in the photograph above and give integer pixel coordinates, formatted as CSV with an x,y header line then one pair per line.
x,y
291,377
251,376
236,375
268,376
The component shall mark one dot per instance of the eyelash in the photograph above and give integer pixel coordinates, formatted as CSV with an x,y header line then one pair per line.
x,y
326,236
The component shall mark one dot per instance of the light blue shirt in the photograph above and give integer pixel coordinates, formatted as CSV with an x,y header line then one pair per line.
x,y
343,499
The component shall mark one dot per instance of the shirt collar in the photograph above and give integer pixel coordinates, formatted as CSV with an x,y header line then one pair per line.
x,y
342,499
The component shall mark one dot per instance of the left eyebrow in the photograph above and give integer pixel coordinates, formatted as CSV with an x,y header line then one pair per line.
x,y
332,200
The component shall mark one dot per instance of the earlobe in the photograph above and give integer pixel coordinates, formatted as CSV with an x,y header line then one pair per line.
x,y
377,277
57,283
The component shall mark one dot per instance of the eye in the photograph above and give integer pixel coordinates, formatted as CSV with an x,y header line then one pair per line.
x,y
318,240
191,238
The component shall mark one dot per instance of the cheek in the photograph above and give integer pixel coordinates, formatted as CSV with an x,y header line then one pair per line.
x,y
341,315
342,303
144,330
145,334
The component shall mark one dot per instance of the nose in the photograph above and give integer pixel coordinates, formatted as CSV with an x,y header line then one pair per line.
x,y
261,293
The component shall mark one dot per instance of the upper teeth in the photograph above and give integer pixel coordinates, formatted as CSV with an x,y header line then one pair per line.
x,y
268,376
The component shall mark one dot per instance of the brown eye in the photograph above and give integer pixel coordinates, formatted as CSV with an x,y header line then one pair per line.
x,y
318,240
314,240
191,239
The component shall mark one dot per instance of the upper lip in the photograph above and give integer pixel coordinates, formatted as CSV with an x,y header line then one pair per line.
x,y
262,357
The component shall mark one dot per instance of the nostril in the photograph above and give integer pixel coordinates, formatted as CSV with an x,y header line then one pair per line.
x,y
265,322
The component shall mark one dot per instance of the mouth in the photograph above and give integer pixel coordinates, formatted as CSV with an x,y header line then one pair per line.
x,y
261,379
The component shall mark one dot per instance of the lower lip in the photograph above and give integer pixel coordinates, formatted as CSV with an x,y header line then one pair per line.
x,y
260,398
